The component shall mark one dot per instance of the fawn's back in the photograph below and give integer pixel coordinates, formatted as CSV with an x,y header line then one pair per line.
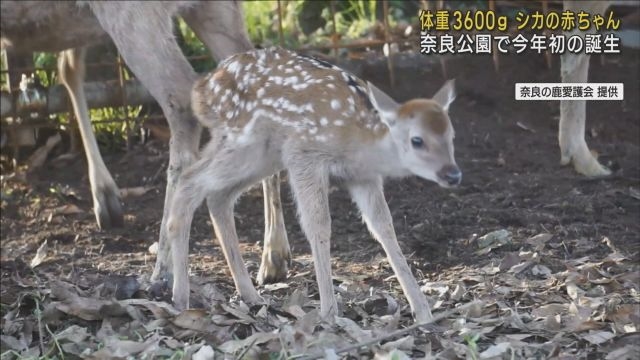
x,y
279,89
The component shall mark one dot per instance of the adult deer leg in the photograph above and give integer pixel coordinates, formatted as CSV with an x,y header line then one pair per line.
x,y
375,212
151,52
105,193
575,69
220,25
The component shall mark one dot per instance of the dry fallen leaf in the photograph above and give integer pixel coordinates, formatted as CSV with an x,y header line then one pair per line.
x,y
629,352
68,209
205,353
598,337
39,156
495,350
394,354
493,240
510,260
84,307
539,241
13,343
41,254
114,347
194,319
74,333
525,127
233,346
134,191
405,343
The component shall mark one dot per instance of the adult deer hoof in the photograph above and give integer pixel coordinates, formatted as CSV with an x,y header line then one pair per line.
x,y
108,208
586,164
591,168
274,266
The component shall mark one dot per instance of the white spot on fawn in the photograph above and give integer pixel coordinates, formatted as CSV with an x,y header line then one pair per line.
x,y
324,121
233,67
267,101
338,122
335,104
291,80
260,92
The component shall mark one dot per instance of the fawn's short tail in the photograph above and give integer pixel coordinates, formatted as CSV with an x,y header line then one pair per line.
x,y
202,101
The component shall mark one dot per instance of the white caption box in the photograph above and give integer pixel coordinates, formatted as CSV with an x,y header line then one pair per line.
x,y
569,91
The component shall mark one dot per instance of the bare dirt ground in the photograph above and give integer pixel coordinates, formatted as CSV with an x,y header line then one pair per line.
x,y
561,282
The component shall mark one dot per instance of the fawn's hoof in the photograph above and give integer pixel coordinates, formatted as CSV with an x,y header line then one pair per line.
x,y
253,298
274,266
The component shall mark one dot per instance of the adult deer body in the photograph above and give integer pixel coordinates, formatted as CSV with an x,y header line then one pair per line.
x,y
142,33
272,109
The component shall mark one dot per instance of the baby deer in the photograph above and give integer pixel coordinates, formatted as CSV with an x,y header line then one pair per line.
x,y
273,109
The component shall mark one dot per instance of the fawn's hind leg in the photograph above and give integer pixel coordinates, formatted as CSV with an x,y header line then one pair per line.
x,y
276,255
222,174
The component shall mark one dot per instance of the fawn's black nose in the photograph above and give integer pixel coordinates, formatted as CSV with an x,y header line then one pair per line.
x,y
451,174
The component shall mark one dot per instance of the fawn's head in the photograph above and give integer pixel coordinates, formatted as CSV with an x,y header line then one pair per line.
x,y
421,131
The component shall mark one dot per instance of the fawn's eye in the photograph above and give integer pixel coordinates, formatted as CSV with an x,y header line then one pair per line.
x,y
417,142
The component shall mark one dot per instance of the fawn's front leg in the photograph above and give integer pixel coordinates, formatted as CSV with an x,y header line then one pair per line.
x,y
370,200
311,188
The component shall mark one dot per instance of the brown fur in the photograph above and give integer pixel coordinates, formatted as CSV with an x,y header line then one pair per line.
x,y
430,113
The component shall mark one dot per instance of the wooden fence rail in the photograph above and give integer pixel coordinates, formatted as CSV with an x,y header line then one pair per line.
x,y
99,94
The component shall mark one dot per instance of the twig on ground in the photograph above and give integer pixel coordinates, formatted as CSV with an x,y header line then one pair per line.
x,y
40,327
246,350
436,318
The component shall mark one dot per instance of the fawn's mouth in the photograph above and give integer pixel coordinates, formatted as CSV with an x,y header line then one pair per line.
x,y
449,176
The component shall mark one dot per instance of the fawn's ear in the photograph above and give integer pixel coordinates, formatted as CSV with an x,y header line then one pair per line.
x,y
386,106
446,94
